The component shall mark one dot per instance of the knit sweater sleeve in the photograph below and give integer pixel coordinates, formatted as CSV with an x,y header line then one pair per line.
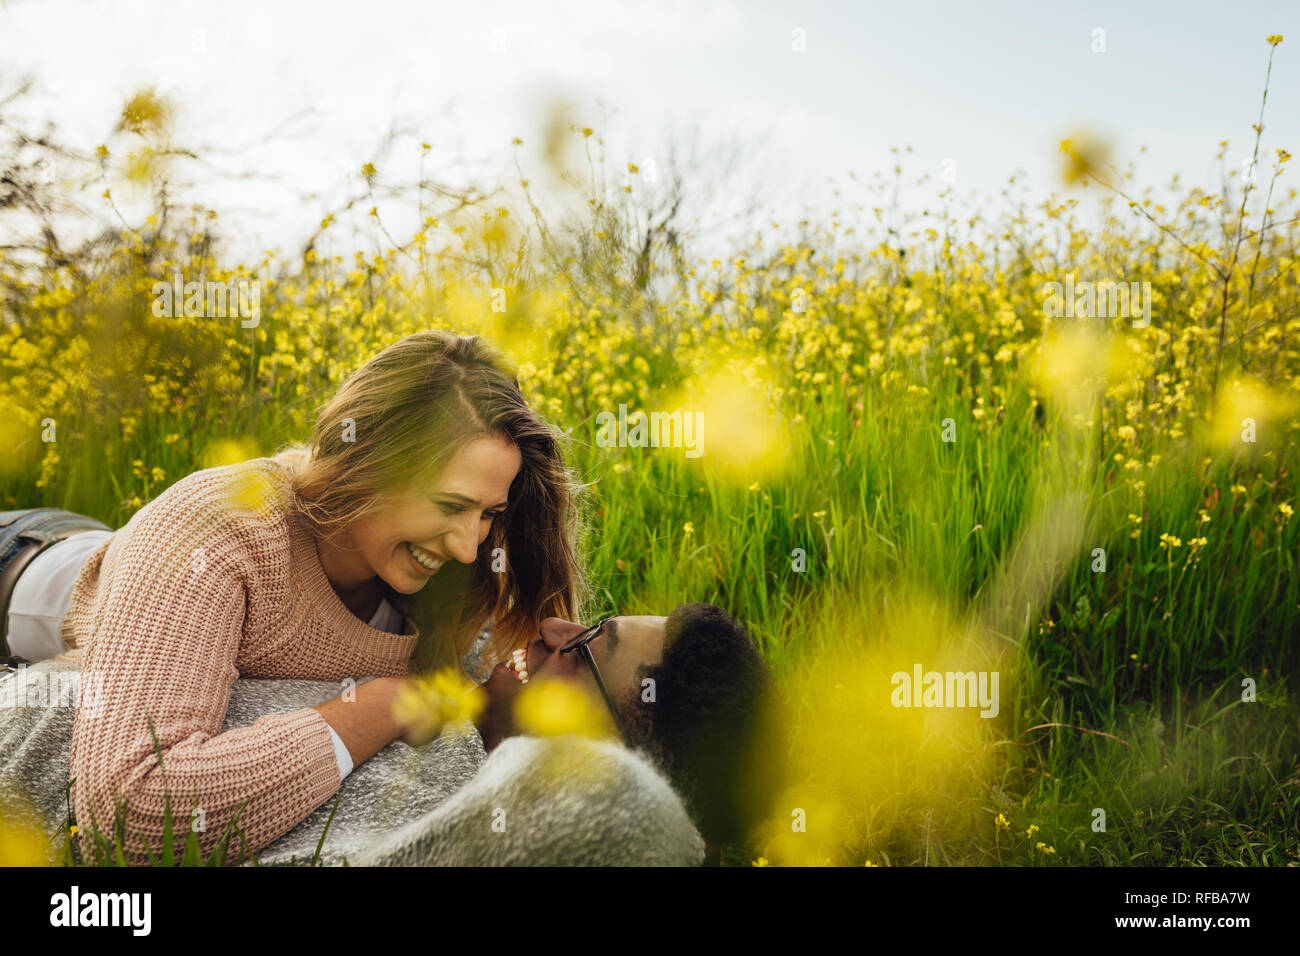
x,y
165,638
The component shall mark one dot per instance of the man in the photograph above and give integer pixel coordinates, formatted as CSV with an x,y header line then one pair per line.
x,y
690,692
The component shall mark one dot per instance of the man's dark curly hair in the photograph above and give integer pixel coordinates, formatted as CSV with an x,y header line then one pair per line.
x,y
710,726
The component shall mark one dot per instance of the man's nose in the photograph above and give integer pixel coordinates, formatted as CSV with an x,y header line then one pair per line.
x,y
556,632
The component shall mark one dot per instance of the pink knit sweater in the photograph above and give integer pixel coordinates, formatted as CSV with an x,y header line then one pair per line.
x,y
214,579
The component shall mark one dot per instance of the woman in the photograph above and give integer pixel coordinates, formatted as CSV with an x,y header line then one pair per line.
x,y
432,501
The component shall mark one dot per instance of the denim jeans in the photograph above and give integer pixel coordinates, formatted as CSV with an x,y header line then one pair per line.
x,y
25,534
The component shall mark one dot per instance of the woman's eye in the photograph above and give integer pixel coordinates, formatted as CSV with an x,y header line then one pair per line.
x,y
454,509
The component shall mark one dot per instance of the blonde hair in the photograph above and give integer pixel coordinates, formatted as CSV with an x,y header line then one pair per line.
x,y
399,420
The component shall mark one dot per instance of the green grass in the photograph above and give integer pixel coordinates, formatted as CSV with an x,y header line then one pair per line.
x,y
1196,629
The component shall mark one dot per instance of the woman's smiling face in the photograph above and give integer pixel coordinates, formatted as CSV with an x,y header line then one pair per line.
x,y
421,528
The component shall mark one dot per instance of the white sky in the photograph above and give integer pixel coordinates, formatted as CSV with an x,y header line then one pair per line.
x,y
993,86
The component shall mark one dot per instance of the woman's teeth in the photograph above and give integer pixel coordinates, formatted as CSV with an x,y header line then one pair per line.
x,y
519,665
423,558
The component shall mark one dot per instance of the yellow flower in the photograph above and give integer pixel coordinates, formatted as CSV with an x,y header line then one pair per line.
x,y
1274,39
1084,157
251,490
761,861
22,838
145,112
426,704
552,708
1001,823
1285,509
868,863
1033,828
1242,399
688,528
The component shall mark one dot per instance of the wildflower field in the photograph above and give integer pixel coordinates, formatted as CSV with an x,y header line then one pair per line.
x,y
910,456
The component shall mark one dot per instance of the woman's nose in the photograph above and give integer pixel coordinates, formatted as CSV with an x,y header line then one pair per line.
x,y
463,542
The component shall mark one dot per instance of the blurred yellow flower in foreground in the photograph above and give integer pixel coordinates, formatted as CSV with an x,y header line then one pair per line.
x,y
426,704
228,451
1242,411
1076,357
22,839
147,111
250,489
15,435
812,827
1086,157
743,436
862,764
551,708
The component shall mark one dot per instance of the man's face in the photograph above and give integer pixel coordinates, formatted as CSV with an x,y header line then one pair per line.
x,y
624,646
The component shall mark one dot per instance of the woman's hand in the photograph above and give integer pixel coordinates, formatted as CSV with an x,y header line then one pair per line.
x,y
419,723
367,723
422,706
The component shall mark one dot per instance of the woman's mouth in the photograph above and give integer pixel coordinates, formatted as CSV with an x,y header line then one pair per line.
x,y
422,559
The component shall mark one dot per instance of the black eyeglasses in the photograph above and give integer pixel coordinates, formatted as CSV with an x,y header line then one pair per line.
x,y
580,644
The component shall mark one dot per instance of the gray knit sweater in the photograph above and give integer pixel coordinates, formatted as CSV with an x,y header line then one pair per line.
x,y
533,801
